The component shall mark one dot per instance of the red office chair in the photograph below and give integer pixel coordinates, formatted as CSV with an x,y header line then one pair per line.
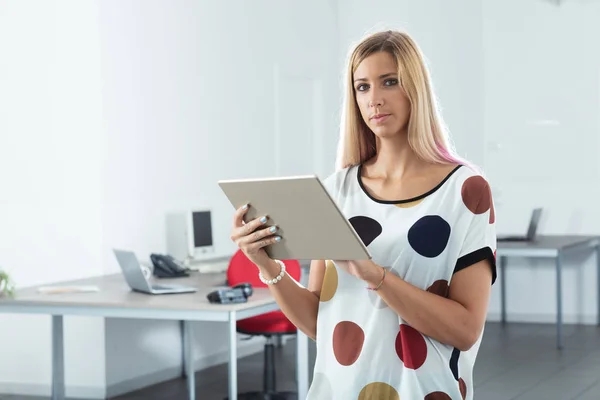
x,y
272,324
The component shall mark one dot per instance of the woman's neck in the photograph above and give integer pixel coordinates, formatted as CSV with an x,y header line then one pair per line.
x,y
395,159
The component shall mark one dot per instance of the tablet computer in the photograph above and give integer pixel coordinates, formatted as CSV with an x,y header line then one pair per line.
x,y
310,224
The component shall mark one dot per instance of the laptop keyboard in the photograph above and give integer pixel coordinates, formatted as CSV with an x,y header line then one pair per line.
x,y
160,287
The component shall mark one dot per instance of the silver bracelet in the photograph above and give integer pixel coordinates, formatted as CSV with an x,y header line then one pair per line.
x,y
277,278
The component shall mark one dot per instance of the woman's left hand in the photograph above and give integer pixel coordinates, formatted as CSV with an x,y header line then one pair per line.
x,y
365,270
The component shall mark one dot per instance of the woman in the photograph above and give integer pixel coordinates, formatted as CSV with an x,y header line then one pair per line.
x,y
408,323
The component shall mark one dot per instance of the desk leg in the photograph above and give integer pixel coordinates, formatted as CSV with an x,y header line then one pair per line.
x,y
598,279
503,289
58,358
184,348
190,372
232,356
302,364
559,342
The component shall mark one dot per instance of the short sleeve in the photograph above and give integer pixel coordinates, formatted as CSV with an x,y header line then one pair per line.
x,y
480,239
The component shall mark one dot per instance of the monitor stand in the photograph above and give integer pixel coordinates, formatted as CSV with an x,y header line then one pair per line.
x,y
209,265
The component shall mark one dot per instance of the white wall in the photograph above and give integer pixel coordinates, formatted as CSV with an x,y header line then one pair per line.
x,y
542,125
122,111
50,167
194,92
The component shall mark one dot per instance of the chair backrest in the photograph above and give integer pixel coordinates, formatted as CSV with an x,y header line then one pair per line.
x,y
241,269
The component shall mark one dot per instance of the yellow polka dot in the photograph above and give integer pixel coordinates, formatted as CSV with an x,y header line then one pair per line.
x,y
378,391
330,281
409,205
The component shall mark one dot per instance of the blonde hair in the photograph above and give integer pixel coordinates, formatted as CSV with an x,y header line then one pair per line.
x,y
427,134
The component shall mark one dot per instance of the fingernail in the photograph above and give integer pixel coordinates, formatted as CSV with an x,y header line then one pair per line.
x,y
273,229
278,238
263,219
245,206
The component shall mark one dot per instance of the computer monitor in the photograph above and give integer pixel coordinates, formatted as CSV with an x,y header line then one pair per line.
x,y
202,237
190,234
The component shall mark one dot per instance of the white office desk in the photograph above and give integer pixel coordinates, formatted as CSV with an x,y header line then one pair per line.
x,y
548,246
116,300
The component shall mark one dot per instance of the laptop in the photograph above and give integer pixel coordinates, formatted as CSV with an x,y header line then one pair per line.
x,y
132,271
531,231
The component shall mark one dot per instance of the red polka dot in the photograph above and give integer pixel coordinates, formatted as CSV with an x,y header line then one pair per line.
x,y
411,347
348,340
476,194
439,287
437,396
463,388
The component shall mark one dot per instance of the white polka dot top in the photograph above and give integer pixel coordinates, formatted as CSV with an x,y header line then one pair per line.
x,y
365,351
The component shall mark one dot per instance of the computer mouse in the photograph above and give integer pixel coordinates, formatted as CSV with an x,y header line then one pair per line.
x,y
246,288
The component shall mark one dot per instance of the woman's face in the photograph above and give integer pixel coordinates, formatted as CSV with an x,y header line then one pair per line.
x,y
382,102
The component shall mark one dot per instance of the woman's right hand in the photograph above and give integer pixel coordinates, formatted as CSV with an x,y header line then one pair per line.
x,y
253,236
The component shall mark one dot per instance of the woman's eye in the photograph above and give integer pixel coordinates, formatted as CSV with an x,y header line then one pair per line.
x,y
391,82
362,87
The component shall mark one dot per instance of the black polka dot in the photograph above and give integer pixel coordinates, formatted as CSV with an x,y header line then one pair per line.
x,y
367,228
454,362
429,236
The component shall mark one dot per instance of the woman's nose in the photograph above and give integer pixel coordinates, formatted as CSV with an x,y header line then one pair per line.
x,y
375,98
376,102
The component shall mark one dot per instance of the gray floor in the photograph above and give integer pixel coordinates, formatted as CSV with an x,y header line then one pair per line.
x,y
518,361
